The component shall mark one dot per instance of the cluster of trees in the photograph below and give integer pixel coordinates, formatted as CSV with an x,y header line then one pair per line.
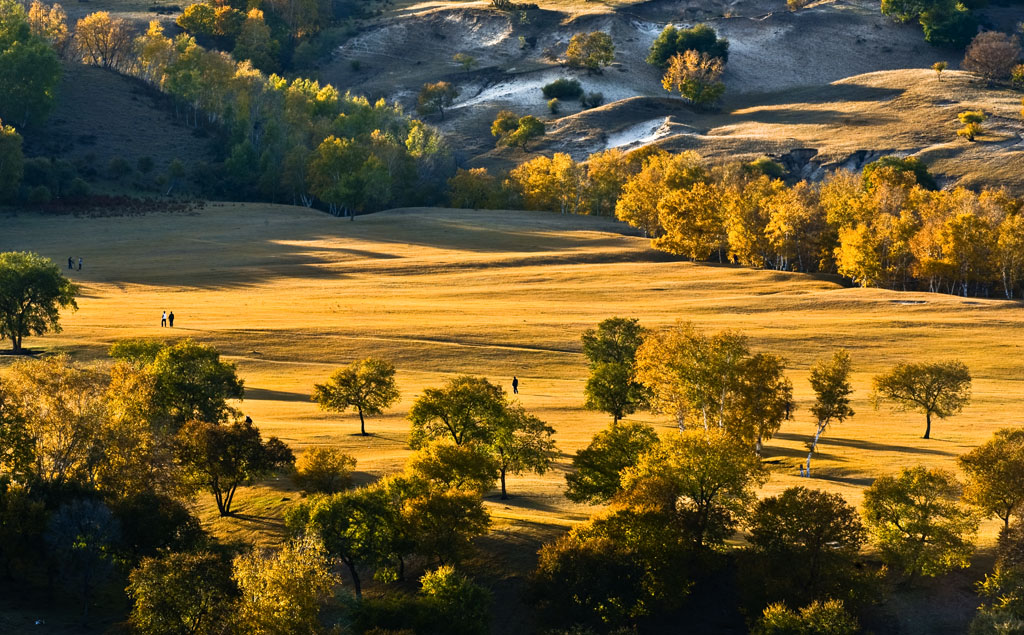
x,y
693,61
888,227
946,23
276,139
677,499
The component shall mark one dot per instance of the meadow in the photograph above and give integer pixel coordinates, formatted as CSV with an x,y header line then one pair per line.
x,y
290,294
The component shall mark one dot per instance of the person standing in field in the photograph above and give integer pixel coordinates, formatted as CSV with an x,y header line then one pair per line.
x,y
79,263
515,385
71,263
163,319
170,319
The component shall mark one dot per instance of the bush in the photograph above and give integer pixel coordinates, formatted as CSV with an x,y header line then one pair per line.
x,y
324,471
78,188
592,100
818,618
144,165
672,41
909,164
118,167
992,55
1017,76
972,120
39,195
563,88
553,105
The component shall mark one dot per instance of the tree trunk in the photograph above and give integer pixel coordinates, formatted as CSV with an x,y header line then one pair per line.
x,y
504,494
362,423
16,344
358,588
928,428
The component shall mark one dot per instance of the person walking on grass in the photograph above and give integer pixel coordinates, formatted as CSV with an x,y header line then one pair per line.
x,y
170,319
163,319
79,263
71,263
515,385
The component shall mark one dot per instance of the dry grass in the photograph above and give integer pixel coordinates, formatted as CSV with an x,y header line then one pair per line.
x,y
289,294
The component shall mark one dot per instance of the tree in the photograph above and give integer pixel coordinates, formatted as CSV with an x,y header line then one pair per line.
x,y
521,443
219,458
192,383
611,349
938,67
597,475
917,522
460,605
672,41
81,535
992,55
695,76
16,443
995,475
358,527
105,41
12,162
181,594
462,410
32,293
764,399
29,68
62,406
692,222
939,388
367,385
435,98
809,540
50,23
281,592
817,618
972,120
613,570
445,465
443,524
255,43
591,51
465,60
830,380
474,188
706,478
874,172
1010,253
324,471
513,130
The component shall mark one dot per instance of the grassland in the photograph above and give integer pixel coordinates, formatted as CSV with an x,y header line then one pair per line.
x,y
289,294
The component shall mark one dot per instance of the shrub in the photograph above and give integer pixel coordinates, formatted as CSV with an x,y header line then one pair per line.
x,y
78,188
324,471
118,167
553,105
1017,76
563,88
818,618
592,100
466,61
992,55
144,165
972,120
39,195
591,51
938,67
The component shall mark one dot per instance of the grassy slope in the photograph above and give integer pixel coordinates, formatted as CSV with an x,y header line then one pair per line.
x,y
289,294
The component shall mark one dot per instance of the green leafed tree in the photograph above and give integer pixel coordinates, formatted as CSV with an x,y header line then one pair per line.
x,y
520,442
830,380
597,469
32,293
181,593
12,162
672,41
192,383
995,475
445,465
707,478
916,521
462,410
368,386
941,389
219,458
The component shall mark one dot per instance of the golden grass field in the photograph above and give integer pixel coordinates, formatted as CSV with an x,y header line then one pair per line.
x,y
290,294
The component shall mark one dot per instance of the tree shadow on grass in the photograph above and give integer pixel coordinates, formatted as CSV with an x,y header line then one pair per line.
x,y
861,444
266,394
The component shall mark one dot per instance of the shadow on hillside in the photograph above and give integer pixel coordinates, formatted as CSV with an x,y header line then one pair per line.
x,y
803,116
861,444
265,394
848,92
